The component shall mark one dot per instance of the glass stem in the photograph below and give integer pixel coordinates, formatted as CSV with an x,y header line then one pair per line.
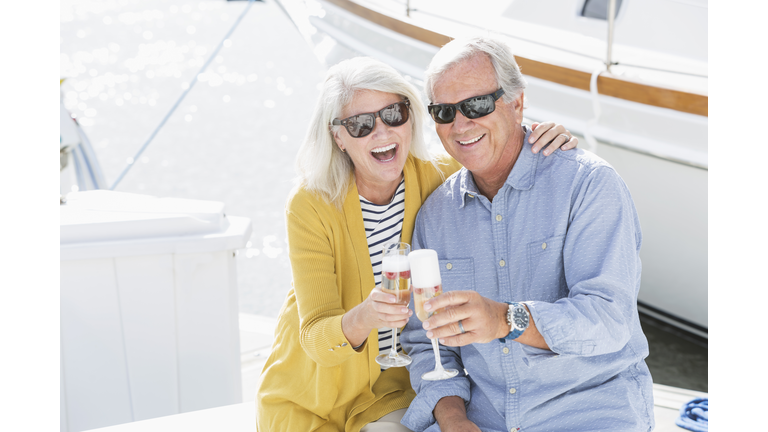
x,y
436,348
393,351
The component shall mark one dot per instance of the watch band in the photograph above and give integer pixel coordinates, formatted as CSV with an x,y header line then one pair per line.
x,y
514,332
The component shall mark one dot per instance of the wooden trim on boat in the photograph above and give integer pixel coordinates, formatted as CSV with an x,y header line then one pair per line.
x,y
619,88
394,24
677,100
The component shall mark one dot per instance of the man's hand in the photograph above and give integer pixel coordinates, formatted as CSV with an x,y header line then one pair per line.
x,y
463,425
551,135
483,319
451,415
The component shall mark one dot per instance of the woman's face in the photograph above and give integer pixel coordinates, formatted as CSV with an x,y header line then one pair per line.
x,y
379,157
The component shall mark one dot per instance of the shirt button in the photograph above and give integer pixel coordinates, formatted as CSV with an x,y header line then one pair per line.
x,y
543,245
471,196
498,218
505,350
449,266
512,391
502,263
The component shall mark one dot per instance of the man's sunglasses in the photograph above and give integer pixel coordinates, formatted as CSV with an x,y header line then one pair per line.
x,y
472,108
361,125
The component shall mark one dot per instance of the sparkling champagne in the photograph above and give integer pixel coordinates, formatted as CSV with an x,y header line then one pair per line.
x,y
427,284
396,280
421,295
396,272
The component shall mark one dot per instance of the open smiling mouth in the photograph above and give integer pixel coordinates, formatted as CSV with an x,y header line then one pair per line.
x,y
471,141
385,154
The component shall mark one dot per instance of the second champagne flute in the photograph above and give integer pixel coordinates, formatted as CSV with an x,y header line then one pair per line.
x,y
395,279
425,276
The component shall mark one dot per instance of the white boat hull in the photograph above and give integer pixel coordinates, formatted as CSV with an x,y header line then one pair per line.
x,y
660,153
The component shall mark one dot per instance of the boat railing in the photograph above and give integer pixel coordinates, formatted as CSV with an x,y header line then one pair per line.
x,y
609,38
608,84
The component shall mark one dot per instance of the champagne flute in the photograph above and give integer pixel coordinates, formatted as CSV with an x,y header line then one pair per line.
x,y
395,279
426,281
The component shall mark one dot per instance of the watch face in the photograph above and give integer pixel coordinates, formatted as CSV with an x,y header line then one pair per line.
x,y
520,318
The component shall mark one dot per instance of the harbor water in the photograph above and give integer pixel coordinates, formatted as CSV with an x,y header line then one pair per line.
x,y
235,135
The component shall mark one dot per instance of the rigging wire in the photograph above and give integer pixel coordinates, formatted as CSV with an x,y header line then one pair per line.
x,y
183,95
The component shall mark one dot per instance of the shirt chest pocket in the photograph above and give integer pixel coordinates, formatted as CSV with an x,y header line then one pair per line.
x,y
546,278
457,274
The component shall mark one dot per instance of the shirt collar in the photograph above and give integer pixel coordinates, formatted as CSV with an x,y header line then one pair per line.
x,y
521,177
467,187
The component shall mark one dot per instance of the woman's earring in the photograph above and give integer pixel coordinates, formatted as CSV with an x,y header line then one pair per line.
x,y
342,150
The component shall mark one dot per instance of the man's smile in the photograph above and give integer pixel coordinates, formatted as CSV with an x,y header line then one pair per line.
x,y
471,141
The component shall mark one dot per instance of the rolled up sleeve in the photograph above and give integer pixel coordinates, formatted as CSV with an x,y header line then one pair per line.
x,y
415,342
602,269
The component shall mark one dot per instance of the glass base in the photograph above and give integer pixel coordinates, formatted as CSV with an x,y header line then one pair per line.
x,y
398,360
437,375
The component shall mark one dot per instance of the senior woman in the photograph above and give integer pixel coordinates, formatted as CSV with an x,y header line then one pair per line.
x,y
364,171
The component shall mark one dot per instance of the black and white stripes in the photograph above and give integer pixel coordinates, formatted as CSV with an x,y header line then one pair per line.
x,y
383,224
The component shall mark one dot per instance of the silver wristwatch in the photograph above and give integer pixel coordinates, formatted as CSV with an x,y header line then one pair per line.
x,y
518,319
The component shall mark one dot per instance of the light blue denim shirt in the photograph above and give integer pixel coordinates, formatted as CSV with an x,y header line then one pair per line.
x,y
562,235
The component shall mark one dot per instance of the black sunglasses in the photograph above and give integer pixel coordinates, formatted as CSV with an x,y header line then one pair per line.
x,y
472,108
361,125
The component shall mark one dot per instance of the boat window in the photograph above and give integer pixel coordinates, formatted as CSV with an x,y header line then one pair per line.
x,y
598,9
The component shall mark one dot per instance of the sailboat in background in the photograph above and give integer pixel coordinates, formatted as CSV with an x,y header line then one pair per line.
x,y
637,96
150,389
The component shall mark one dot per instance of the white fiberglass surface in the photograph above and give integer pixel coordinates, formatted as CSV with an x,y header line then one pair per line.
x,y
235,136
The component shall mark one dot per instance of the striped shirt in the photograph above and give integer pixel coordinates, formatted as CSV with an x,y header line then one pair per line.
x,y
383,224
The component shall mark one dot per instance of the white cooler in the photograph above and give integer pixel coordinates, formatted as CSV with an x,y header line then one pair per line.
x,y
149,307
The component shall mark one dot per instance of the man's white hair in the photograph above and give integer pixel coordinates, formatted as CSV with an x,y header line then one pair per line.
x,y
322,167
507,71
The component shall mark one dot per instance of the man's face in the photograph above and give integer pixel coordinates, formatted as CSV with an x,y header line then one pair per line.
x,y
487,145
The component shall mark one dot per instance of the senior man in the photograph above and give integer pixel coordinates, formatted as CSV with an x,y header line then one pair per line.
x,y
540,265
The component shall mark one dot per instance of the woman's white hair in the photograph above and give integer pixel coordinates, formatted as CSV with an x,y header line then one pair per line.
x,y
507,71
322,167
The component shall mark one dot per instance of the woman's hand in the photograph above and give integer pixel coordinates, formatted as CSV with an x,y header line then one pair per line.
x,y
378,311
386,311
551,135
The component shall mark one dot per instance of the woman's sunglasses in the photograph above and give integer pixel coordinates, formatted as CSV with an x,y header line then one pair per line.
x,y
361,125
472,108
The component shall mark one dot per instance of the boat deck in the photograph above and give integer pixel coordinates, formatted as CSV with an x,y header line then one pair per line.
x,y
255,343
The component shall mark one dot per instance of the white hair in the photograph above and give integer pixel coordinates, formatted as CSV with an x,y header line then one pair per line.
x,y
322,167
507,71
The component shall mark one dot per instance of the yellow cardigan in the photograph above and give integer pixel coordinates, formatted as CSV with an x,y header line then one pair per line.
x,y
313,379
